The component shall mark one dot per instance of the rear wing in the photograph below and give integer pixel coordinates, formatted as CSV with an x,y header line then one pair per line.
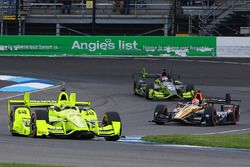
x,y
27,102
31,103
143,74
226,100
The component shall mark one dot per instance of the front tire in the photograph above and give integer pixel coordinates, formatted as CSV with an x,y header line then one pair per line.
x,y
108,118
160,111
147,91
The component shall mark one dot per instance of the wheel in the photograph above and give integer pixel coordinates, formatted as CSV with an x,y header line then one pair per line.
x,y
237,113
135,87
147,91
108,118
234,117
189,87
210,116
15,134
160,114
12,118
37,115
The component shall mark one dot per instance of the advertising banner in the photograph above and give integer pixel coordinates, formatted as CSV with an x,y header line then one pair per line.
x,y
108,46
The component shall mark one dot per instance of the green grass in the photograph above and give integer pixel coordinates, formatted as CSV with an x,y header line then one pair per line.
x,y
219,140
26,165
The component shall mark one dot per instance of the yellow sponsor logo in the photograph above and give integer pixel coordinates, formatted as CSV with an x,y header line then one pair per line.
x,y
9,17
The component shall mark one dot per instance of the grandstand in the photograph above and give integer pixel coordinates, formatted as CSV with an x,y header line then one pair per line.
x,y
146,17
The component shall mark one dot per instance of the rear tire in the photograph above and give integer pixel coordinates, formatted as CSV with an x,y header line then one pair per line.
x,y
37,115
211,113
135,87
108,118
235,115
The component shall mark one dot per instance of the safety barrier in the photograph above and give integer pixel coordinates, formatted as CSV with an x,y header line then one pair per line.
x,y
233,46
108,46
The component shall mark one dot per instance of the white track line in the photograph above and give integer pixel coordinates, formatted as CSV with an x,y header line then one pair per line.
x,y
225,132
39,90
215,62
201,61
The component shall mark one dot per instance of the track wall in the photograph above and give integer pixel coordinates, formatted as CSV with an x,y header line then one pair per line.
x,y
108,46
233,46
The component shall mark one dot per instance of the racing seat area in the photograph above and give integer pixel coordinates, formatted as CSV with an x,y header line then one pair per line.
x,y
63,101
198,95
63,97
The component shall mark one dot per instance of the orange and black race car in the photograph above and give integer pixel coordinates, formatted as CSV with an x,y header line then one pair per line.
x,y
203,111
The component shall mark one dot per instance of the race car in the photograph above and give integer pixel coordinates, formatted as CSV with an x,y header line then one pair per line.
x,y
65,117
161,86
203,111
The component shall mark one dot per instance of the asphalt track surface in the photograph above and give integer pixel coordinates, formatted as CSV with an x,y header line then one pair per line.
x,y
107,83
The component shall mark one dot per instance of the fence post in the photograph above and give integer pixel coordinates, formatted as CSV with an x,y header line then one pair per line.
x,y
58,29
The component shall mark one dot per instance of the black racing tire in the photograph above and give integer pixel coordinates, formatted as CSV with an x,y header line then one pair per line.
x,y
237,113
234,117
135,87
160,109
211,120
15,134
190,87
37,115
12,118
149,86
108,118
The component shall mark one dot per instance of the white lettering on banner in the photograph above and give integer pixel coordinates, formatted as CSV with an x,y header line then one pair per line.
x,y
17,47
182,51
123,45
107,45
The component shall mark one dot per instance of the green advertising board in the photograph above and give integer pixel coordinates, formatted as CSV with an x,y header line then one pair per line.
x,y
108,46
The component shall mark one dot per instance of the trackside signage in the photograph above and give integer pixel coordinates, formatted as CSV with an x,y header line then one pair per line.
x,y
108,46
233,46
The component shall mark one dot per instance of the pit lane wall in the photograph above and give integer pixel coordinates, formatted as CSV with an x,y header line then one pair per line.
x,y
233,46
107,46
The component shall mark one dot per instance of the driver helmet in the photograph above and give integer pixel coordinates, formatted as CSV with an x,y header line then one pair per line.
x,y
195,101
164,78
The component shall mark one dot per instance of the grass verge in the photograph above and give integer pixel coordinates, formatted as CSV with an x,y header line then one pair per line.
x,y
219,140
26,165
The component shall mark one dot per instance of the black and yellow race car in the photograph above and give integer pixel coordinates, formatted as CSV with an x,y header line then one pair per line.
x,y
161,86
